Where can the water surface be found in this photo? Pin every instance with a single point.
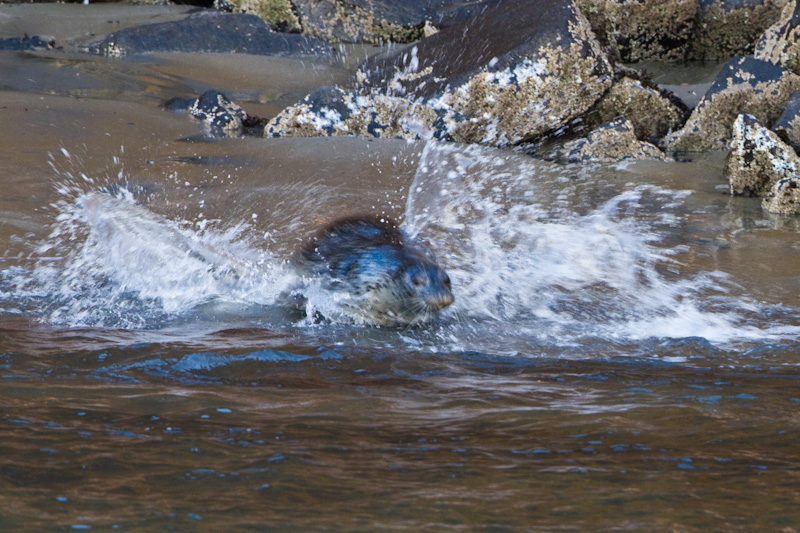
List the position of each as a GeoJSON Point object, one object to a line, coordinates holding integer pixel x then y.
{"type": "Point", "coordinates": [622, 353]}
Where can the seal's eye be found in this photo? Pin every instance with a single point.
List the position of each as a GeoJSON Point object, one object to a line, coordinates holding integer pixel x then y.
{"type": "Point", "coordinates": [446, 281]}
{"type": "Point", "coordinates": [419, 279]}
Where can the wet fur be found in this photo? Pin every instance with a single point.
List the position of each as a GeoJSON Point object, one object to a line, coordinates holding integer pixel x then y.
{"type": "Point", "coordinates": [393, 280]}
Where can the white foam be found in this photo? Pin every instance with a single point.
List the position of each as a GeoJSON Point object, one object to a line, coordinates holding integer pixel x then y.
{"type": "Point", "coordinates": [523, 258]}
{"type": "Point", "coordinates": [530, 256]}
{"type": "Point", "coordinates": [127, 266]}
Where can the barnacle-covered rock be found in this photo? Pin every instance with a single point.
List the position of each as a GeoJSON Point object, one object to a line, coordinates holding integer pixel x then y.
{"type": "Point", "coordinates": [758, 159]}
{"type": "Point", "coordinates": [505, 76]}
{"type": "Point", "coordinates": [333, 111]}
{"type": "Point", "coordinates": [652, 114]}
{"type": "Point", "coordinates": [611, 142]}
{"type": "Point", "coordinates": [784, 197]}
{"type": "Point", "coordinates": [219, 113]}
{"type": "Point", "coordinates": [222, 117]}
{"type": "Point", "coordinates": [726, 28]}
{"type": "Point", "coordinates": [780, 44]}
{"type": "Point", "coordinates": [745, 85]}
{"type": "Point", "coordinates": [676, 30]}
{"type": "Point", "coordinates": [643, 30]}
{"type": "Point", "coordinates": [472, 83]}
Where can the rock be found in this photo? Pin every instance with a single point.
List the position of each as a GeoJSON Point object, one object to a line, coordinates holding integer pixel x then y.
{"type": "Point", "coordinates": [326, 111]}
{"type": "Point", "coordinates": [643, 30]}
{"type": "Point", "coordinates": [377, 21]}
{"type": "Point", "coordinates": [207, 31]}
{"type": "Point", "coordinates": [611, 142]}
{"type": "Point", "coordinates": [784, 197]}
{"type": "Point", "coordinates": [727, 28]}
{"type": "Point", "coordinates": [652, 113]}
{"type": "Point", "coordinates": [788, 124]}
{"type": "Point", "coordinates": [745, 85]}
{"type": "Point", "coordinates": [758, 159]}
{"type": "Point", "coordinates": [223, 117]}
{"type": "Point", "coordinates": [780, 44]}
{"type": "Point", "coordinates": [470, 83]}
{"type": "Point", "coordinates": [541, 71]}
{"type": "Point", "coordinates": [26, 43]}
{"type": "Point", "coordinates": [333, 111]}
{"type": "Point", "coordinates": [277, 13]}
{"type": "Point", "coordinates": [676, 30]}
{"type": "Point", "coordinates": [219, 113]}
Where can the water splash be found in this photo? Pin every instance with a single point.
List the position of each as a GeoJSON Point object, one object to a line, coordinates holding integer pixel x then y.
{"type": "Point", "coordinates": [534, 245]}
{"type": "Point", "coordinates": [538, 253]}
{"type": "Point", "coordinates": [111, 262]}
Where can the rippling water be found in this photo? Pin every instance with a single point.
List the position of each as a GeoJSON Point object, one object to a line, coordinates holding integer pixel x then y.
{"type": "Point", "coordinates": [622, 353]}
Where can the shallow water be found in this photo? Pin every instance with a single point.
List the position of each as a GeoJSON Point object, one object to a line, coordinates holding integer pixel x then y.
{"type": "Point", "coordinates": [622, 353]}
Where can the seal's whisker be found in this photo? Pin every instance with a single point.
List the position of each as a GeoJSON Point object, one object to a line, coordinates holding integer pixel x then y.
{"type": "Point", "coordinates": [457, 316]}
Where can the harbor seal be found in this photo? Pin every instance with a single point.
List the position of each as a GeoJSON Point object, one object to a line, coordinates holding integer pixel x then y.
{"type": "Point", "coordinates": [389, 278]}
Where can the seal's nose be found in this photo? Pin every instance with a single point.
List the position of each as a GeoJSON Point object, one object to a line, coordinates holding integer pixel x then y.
{"type": "Point", "coordinates": [441, 300]}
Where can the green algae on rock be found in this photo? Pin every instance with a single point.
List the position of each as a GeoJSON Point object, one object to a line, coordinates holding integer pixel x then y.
{"type": "Point", "coordinates": [363, 22]}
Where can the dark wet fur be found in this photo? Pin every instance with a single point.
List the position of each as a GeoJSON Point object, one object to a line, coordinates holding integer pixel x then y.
{"type": "Point", "coordinates": [397, 279]}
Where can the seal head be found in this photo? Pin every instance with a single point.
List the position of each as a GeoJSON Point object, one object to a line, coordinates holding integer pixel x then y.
{"type": "Point", "coordinates": [390, 278]}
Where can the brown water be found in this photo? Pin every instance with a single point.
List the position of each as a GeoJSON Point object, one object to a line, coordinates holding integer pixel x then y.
{"type": "Point", "coordinates": [622, 354]}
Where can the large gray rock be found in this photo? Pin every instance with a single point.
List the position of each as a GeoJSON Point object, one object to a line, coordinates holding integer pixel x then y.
{"type": "Point", "coordinates": [745, 85]}
{"type": "Point", "coordinates": [780, 44]}
{"type": "Point", "coordinates": [507, 75]}
{"type": "Point", "coordinates": [758, 158]}
{"type": "Point", "coordinates": [208, 31]}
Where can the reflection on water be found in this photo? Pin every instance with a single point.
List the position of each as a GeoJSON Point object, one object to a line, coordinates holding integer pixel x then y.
{"type": "Point", "coordinates": [155, 436]}
{"type": "Point", "coordinates": [622, 353]}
